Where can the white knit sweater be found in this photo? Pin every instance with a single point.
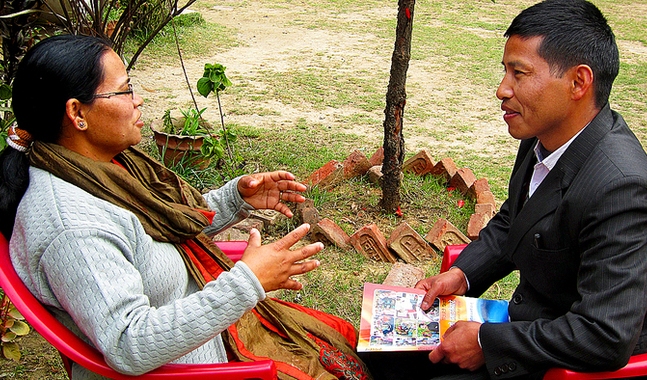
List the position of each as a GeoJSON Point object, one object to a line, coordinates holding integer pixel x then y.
{"type": "Point", "coordinates": [102, 276]}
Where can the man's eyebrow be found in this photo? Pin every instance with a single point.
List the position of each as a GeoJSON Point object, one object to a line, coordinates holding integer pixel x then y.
{"type": "Point", "coordinates": [515, 64]}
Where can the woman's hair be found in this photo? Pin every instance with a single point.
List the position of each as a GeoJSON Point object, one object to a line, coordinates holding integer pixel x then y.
{"type": "Point", "coordinates": [55, 70]}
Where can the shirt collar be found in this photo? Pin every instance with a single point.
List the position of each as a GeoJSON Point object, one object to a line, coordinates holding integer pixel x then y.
{"type": "Point", "coordinates": [552, 158]}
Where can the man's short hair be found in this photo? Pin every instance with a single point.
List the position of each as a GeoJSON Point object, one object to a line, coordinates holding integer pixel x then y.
{"type": "Point", "coordinates": [574, 32]}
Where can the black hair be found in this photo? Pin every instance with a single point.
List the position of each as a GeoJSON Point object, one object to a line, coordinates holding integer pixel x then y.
{"type": "Point", "coordinates": [574, 32]}
{"type": "Point", "coordinates": [52, 72]}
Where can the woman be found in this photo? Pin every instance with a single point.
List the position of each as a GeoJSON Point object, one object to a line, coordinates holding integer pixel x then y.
{"type": "Point", "coordinates": [111, 241]}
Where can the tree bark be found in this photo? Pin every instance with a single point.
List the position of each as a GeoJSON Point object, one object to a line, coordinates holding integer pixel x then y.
{"type": "Point", "coordinates": [396, 98]}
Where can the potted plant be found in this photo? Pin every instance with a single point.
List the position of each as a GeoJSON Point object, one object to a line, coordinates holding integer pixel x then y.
{"type": "Point", "coordinates": [189, 139]}
{"type": "Point", "coordinates": [180, 140]}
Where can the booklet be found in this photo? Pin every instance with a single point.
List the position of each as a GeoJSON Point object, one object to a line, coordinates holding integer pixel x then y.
{"type": "Point", "coordinates": [392, 319]}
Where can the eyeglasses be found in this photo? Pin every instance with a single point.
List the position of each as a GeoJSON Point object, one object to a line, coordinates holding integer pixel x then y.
{"type": "Point", "coordinates": [109, 94]}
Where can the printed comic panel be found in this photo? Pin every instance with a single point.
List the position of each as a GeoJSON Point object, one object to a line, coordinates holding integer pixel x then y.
{"type": "Point", "coordinates": [428, 334]}
{"type": "Point", "coordinates": [382, 331]}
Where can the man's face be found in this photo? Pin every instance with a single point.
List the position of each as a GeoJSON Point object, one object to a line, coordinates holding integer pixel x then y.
{"type": "Point", "coordinates": [534, 101]}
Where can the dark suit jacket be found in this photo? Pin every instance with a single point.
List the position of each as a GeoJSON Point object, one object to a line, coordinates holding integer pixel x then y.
{"type": "Point", "coordinates": [580, 244]}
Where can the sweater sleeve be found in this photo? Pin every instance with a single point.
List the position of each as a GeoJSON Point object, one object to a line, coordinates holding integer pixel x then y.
{"type": "Point", "coordinates": [93, 278]}
{"type": "Point", "coordinates": [229, 206]}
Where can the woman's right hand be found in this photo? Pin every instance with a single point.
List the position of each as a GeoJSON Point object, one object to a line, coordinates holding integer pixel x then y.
{"type": "Point", "coordinates": [274, 264]}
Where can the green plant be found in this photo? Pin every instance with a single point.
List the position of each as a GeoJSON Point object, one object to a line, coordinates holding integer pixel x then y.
{"type": "Point", "coordinates": [148, 15]}
{"type": "Point", "coordinates": [18, 31]}
{"type": "Point", "coordinates": [213, 147]}
{"type": "Point", "coordinates": [6, 114]}
{"type": "Point", "coordinates": [117, 19]}
{"type": "Point", "coordinates": [192, 124]}
{"type": "Point", "coordinates": [214, 80]}
{"type": "Point", "coordinates": [12, 328]}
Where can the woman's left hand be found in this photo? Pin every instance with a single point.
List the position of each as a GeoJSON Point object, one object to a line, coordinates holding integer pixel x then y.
{"type": "Point", "coordinates": [268, 190]}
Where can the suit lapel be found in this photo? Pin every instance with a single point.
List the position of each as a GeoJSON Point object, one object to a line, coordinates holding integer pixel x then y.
{"type": "Point", "coordinates": [548, 195]}
{"type": "Point", "coordinates": [525, 161]}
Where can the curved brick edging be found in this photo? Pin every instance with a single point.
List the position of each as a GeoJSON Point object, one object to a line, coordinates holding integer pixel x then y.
{"type": "Point", "coordinates": [404, 242]}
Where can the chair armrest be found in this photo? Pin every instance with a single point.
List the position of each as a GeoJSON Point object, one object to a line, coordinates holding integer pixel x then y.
{"type": "Point", "coordinates": [450, 254]}
{"type": "Point", "coordinates": [233, 249]}
{"type": "Point", "coordinates": [637, 367]}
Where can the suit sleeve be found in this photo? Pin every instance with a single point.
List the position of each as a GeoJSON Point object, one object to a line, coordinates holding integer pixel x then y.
{"type": "Point", "coordinates": [602, 327]}
{"type": "Point", "coordinates": [483, 260]}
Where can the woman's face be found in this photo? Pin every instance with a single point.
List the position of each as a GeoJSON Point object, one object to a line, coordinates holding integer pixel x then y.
{"type": "Point", "coordinates": [113, 122]}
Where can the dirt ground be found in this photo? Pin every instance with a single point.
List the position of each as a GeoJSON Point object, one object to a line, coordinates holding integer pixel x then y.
{"type": "Point", "coordinates": [277, 39]}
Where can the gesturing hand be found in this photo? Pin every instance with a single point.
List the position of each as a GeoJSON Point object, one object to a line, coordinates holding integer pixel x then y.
{"type": "Point", "coordinates": [267, 190]}
{"type": "Point", "coordinates": [274, 264]}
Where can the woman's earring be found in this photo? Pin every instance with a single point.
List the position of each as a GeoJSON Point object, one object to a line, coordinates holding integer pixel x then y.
{"type": "Point", "coordinates": [82, 124]}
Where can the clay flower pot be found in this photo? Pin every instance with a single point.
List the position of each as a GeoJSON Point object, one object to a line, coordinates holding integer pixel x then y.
{"type": "Point", "coordinates": [177, 149]}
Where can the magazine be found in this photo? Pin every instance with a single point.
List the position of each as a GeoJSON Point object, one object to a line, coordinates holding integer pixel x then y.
{"type": "Point", "coordinates": [392, 319]}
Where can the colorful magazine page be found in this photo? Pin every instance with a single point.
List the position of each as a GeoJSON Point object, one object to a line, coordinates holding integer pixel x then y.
{"type": "Point", "coordinates": [392, 319]}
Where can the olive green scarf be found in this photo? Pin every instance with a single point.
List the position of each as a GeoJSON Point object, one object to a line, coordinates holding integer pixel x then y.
{"type": "Point", "coordinates": [166, 205]}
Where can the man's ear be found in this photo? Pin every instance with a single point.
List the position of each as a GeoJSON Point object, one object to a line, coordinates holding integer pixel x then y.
{"type": "Point", "coordinates": [75, 113]}
{"type": "Point", "coordinates": [582, 84]}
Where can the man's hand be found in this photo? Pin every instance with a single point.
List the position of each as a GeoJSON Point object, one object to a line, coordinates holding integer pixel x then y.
{"type": "Point", "coordinates": [460, 346]}
{"type": "Point", "coordinates": [274, 264]}
{"type": "Point", "coordinates": [444, 284]}
{"type": "Point", "coordinates": [267, 190]}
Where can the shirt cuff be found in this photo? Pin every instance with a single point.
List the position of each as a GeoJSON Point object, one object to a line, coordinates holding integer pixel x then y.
{"type": "Point", "coordinates": [464, 275]}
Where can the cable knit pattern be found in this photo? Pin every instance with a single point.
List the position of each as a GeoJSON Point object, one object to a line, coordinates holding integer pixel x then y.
{"type": "Point", "coordinates": [93, 265]}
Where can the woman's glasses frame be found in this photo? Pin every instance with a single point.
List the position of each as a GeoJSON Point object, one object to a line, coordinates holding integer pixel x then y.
{"type": "Point", "coordinates": [109, 94]}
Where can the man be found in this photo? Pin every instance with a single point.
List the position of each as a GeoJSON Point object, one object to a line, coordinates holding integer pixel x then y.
{"type": "Point", "coordinates": [575, 220]}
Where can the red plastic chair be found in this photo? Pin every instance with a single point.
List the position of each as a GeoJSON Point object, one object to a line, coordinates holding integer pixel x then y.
{"type": "Point", "coordinates": [637, 366]}
{"type": "Point", "coordinates": [73, 349]}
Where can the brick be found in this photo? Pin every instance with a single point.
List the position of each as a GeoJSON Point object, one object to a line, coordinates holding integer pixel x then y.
{"type": "Point", "coordinates": [246, 225]}
{"type": "Point", "coordinates": [476, 224]}
{"type": "Point", "coordinates": [307, 212]}
{"type": "Point", "coordinates": [333, 179]}
{"type": "Point", "coordinates": [445, 168]}
{"type": "Point", "coordinates": [485, 208]}
{"type": "Point", "coordinates": [370, 242]}
{"type": "Point", "coordinates": [231, 234]}
{"type": "Point", "coordinates": [405, 275]}
{"type": "Point", "coordinates": [462, 180]}
{"type": "Point", "coordinates": [443, 233]}
{"type": "Point", "coordinates": [268, 217]}
{"type": "Point", "coordinates": [327, 232]}
{"type": "Point", "coordinates": [485, 197]}
{"type": "Point", "coordinates": [375, 175]}
{"type": "Point", "coordinates": [479, 186]}
{"type": "Point", "coordinates": [377, 157]}
{"type": "Point", "coordinates": [322, 173]}
{"type": "Point", "coordinates": [420, 164]}
{"type": "Point", "coordinates": [355, 165]}
{"type": "Point", "coordinates": [408, 244]}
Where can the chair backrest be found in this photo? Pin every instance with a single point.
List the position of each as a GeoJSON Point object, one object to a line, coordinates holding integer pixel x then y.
{"type": "Point", "coordinates": [72, 347]}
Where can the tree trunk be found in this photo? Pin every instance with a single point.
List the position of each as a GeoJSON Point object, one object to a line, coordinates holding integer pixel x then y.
{"type": "Point", "coordinates": [396, 98]}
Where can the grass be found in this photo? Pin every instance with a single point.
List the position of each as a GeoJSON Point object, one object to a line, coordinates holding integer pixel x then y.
{"type": "Point", "coordinates": [312, 104]}
{"type": "Point", "coordinates": [192, 30]}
